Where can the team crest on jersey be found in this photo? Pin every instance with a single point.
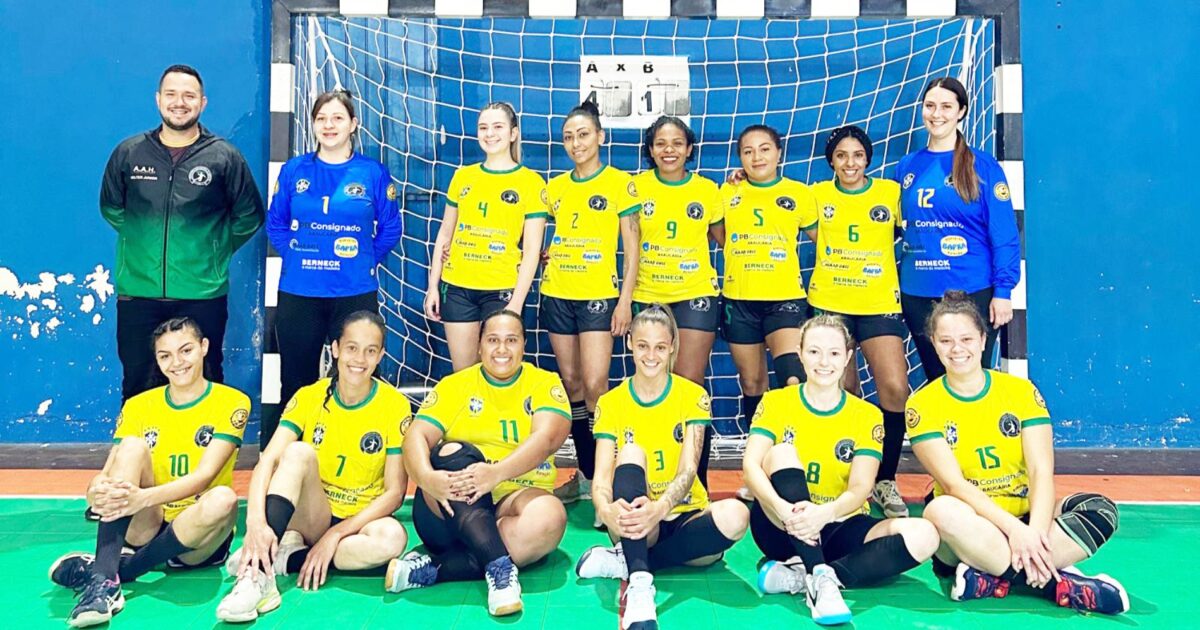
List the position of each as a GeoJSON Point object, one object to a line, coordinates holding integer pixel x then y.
{"type": "Point", "coordinates": [371, 443]}
{"type": "Point", "coordinates": [629, 435]}
{"type": "Point", "coordinates": [908, 180]}
{"type": "Point", "coordinates": [558, 393]}
{"type": "Point", "coordinates": [1009, 425]}
{"type": "Point", "coordinates": [1001, 191]}
{"type": "Point", "coordinates": [391, 192]}
{"type": "Point", "coordinates": [354, 189]}
{"type": "Point", "coordinates": [701, 304]}
{"type": "Point", "coordinates": [200, 176]}
{"type": "Point", "coordinates": [151, 437]}
{"type": "Point", "coordinates": [430, 400]}
{"type": "Point", "coordinates": [302, 186]}
{"type": "Point", "coordinates": [1021, 490]}
{"type": "Point", "coordinates": [787, 203]}
{"type": "Point", "coordinates": [510, 196]}
{"type": "Point", "coordinates": [844, 450]}
{"type": "Point", "coordinates": [597, 307]}
{"type": "Point", "coordinates": [238, 419]}
{"type": "Point", "coordinates": [704, 403]}
{"type": "Point", "coordinates": [695, 210]}
{"type": "Point", "coordinates": [648, 208]}
{"type": "Point", "coordinates": [789, 435]}
{"type": "Point", "coordinates": [465, 191]}
{"type": "Point", "coordinates": [528, 405]}
{"type": "Point", "coordinates": [405, 424]}
{"type": "Point", "coordinates": [557, 203]}
{"type": "Point", "coordinates": [737, 199]}
{"type": "Point", "coordinates": [877, 433]}
{"type": "Point", "coordinates": [1037, 398]}
{"type": "Point", "coordinates": [828, 211]}
{"type": "Point", "coordinates": [677, 433]}
{"type": "Point", "coordinates": [291, 404]}
{"type": "Point", "coordinates": [318, 434]}
{"type": "Point", "coordinates": [949, 181]}
{"type": "Point", "coordinates": [545, 195]}
{"type": "Point", "coordinates": [475, 405]}
{"type": "Point", "coordinates": [597, 202]}
{"type": "Point", "coordinates": [204, 435]}
{"type": "Point", "coordinates": [631, 189]}
{"type": "Point", "coordinates": [951, 433]}
{"type": "Point", "coordinates": [881, 214]}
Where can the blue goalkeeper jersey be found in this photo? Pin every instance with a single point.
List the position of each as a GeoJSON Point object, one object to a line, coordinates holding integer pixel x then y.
{"type": "Point", "coordinates": [332, 224]}
{"type": "Point", "coordinates": [954, 244]}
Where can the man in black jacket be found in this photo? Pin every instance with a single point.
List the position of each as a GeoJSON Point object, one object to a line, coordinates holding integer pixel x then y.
{"type": "Point", "coordinates": [182, 201]}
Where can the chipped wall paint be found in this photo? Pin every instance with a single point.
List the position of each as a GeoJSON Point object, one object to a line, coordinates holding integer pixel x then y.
{"type": "Point", "coordinates": [59, 372]}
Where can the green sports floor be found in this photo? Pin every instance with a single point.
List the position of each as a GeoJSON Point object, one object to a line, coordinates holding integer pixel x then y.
{"type": "Point", "coordinates": [1154, 551]}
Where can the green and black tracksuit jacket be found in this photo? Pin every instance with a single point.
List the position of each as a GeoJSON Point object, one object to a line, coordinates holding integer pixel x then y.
{"type": "Point", "coordinates": [179, 223]}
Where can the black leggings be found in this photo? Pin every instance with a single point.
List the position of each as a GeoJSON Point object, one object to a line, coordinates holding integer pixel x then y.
{"type": "Point", "coordinates": [916, 311]}
{"type": "Point", "coordinates": [302, 326]}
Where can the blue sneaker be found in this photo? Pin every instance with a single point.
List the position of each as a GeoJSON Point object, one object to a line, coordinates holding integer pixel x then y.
{"type": "Point", "coordinates": [100, 599]}
{"type": "Point", "coordinates": [970, 583]}
{"type": "Point", "coordinates": [1101, 594]}
{"type": "Point", "coordinates": [73, 570]}
{"type": "Point", "coordinates": [412, 570]}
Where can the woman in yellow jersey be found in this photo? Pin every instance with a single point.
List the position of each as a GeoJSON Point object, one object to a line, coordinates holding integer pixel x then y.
{"type": "Point", "coordinates": [810, 462]}
{"type": "Point", "coordinates": [583, 306]}
{"type": "Point", "coordinates": [331, 477]}
{"type": "Point", "coordinates": [492, 230]}
{"type": "Point", "coordinates": [764, 292]}
{"type": "Point", "coordinates": [987, 440]}
{"type": "Point", "coordinates": [649, 430]}
{"type": "Point", "coordinates": [165, 488]}
{"type": "Point", "coordinates": [481, 451]}
{"type": "Point", "coordinates": [855, 277]}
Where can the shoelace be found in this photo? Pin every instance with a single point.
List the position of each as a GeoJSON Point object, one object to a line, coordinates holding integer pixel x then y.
{"type": "Point", "coordinates": [96, 588]}
{"type": "Point", "coordinates": [423, 572]}
{"type": "Point", "coordinates": [990, 586]}
{"type": "Point", "coordinates": [1080, 597]}
{"type": "Point", "coordinates": [82, 570]}
{"type": "Point", "coordinates": [248, 581]}
{"type": "Point", "coordinates": [795, 582]}
{"type": "Point", "coordinates": [499, 574]}
{"type": "Point", "coordinates": [825, 581]}
{"type": "Point", "coordinates": [891, 494]}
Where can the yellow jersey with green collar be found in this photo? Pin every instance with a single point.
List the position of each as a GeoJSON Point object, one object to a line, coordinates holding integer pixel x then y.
{"type": "Point", "coordinates": [485, 250]}
{"type": "Point", "coordinates": [495, 416]}
{"type": "Point", "coordinates": [587, 226]}
{"type": "Point", "coordinates": [675, 263]}
{"type": "Point", "coordinates": [825, 441]}
{"type": "Point", "coordinates": [178, 434]}
{"type": "Point", "coordinates": [983, 431]}
{"type": "Point", "coordinates": [762, 231]}
{"type": "Point", "coordinates": [855, 270]}
{"type": "Point", "coordinates": [352, 442]}
{"type": "Point", "coordinates": [657, 426]}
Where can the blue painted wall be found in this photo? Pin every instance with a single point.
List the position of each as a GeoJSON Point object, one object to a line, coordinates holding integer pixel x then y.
{"type": "Point", "coordinates": [79, 77]}
{"type": "Point", "coordinates": [1114, 292]}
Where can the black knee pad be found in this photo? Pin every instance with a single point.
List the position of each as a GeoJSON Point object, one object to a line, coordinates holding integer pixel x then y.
{"type": "Point", "coordinates": [629, 482]}
{"type": "Point", "coordinates": [791, 485]}
{"type": "Point", "coordinates": [466, 455]}
{"type": "Point", "coordinates": [787, 366]}
{"type": "Point", "coordinates": [1089, 519]}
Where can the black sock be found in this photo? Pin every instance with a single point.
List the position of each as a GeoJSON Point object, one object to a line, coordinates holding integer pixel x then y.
{"type": "Point", "coordinates": [296, 560]}
{"type": "Point", "coordinates": [697, 538]}
{"type": "Point", "coordinates": [164, 547]}
{"type": "Point", "coordinates": [457, 565]}
{"type": "Point", "coordinates": [629, 483]}
{"type": "Point", "coordinates": [1017, 578]}
{"type": "Point", "coordinates": [585, 442]}
{"type": "Point", "coordinates": [476, 524]}
{"type": "Point", "coordinates": [279, 511]}
{"type": "Point", "coordinates": [109, 539]}
{"type": "Point", "coordinates": [749, 406]}
{"type": "Point", "coordinates": [705, 451]}
{"type": "Point", "coordinates": [893, 439]}
{"type": "Point", "coordinates": [874, 562]}
{"type": "Point", "coordinates": [792, 486]}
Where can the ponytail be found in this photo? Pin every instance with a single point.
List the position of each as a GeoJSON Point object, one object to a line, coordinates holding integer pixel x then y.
{"type": "Point", "coordinates": [966, 180]}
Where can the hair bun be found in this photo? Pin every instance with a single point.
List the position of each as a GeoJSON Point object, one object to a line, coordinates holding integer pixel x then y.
{"type": "Point", "coordinates": [590, 107]}
{"type": "Point", "coordinates": [955, 295]}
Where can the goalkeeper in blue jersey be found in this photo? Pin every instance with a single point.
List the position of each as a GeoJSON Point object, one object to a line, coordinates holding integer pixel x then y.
{"type": "Point", "coordinates": [333, 218]}
{"type": "Point", "coordinates": [961, 231]}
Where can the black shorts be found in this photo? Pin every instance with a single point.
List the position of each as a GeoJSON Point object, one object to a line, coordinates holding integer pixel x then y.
{"type": "Point", "coordinates": [750, 321]}
{"type": "Point", "coordinates": [838, 539]}
{"type": "Point", "coordinates": [667, 529]}
{"type": "Point", "coordinates": [571, 317]}
{"type": "Point", "coordinates": [702, 313]}
{"type": "Point", "coordinates": [461, 305]}
{"type": "Point", "coordinates": [864, 327]}
{"type": "Point", "coordinates": [216, 558]}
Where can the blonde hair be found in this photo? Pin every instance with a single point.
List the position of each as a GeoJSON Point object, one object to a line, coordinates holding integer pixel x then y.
{"type": "Point", "coordinates": [514, 149]}
{"type": "Point", "coordinates": [826, 320]}
{"type": "Point", "coordinates": [659, 314]}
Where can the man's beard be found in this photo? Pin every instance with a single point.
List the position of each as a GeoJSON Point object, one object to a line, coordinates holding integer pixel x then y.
{"type": "Point", "coordinates": [192, 122]}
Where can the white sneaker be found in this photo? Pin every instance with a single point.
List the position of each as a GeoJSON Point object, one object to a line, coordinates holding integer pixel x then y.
{"type": "Point", "coordinates": [291, 542]}
{"type": "Point", "coordinates": [640, 611]}
{"type": "Point", "coordinates": [254, 594]}
{"type": "Point", "coordinates": [824, 597]}
{"type": "Point", "coordinates": [887, 496]}
{"type": "Point", "coordinates": [743, 493]}
{"type": "Point", "coordinates": [602, 562]}
{"type": "Point", "coordinates": [577, 488]}
{"type": "Point", "coordinates": [504, 590]}
{"type": "Point", "coordinates": [412, 570]}
{"type": "Point", "coordinates": [783, 577]}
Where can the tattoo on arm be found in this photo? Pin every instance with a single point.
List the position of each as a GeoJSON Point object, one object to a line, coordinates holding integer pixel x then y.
{"type": "Point", "coordinates": [685, 475]}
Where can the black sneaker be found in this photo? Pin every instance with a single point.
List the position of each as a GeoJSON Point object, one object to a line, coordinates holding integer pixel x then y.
{"type": "Point", "coordinates": [73, 570]}
{"type": "Point", "coordinates": [90, 515]}
{"type": "Point", "coordinates": [100, 600]}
